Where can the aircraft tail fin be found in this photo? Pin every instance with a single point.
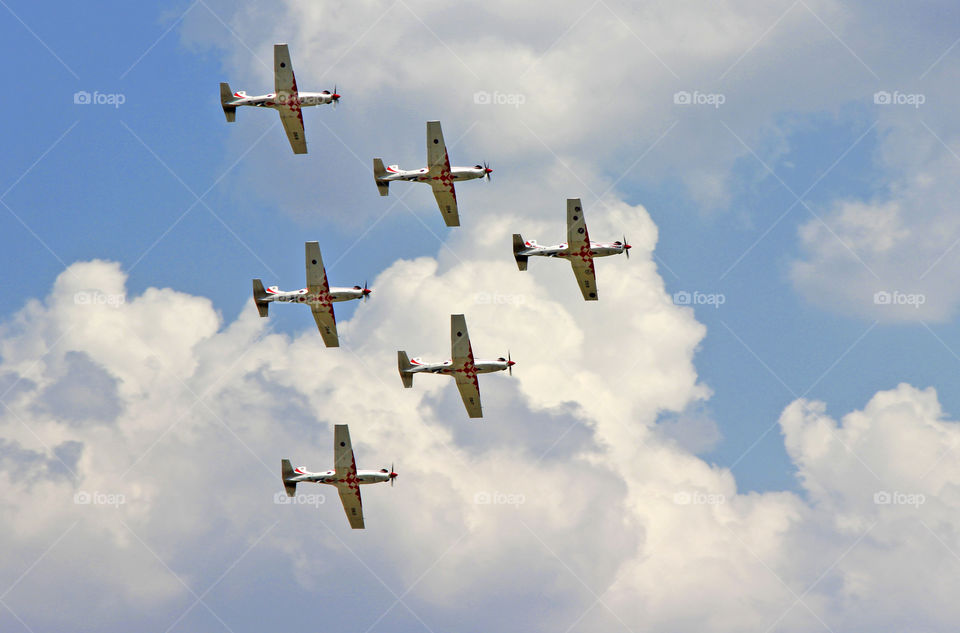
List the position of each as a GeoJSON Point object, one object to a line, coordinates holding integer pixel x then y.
{"type": "Point", "coordinates": [403, 364]}
{"type": "Point", "coordinates": [379, 171]}
{"type": "Point", "coordinates": [259, 294]}
{"type": "Point", "coordinates": [518, 247]}
{"type": "Point", "coordinates": [287, 473]}
{"type": "Point", "coordinates": [226, 96]}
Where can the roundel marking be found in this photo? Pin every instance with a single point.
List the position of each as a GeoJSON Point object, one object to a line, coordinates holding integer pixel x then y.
{"type": "Point", "coordinates": [459, 333]}
{"type": "Point", "coordinates": [580, 230]}
{"type": "Point", "coordinates": [283, 64]}
{"type": "Point", "coordinates": [343, 443]}
{"type": "Point", "coordinates": [435, 141]}
{"type": "Point", "coordinates": [314, 262]}
{"type": "Point", "coordinates": [593, 294]}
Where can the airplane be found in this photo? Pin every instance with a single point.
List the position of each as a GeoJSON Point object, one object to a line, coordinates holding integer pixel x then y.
{"type": "Point", "coordinates": [437, 173]}
{"type": "Point", "coordinates": [462, 367]}
{"type": "Point", "coordinates": [578, 249]}
{"type": "Point", "coordinates": [344, 476]}
{"type": "Point", "coordinates": [318, 294]}
{"type": "Point", "coordinates": [285, 99]}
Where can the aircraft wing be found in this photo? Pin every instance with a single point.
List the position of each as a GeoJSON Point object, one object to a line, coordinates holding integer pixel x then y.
{"type": "Point", "coordinates": [352, 505]}
{"type": "Point", "coordinates": [586, 276]}
{"type": "Point", "coordinates": [578, 250]}
{"type": "Point", "coordinates": [317, 286]}
{"type": "Point", "coordinates": [446, 197]}
{"type": "Point", "coordinates": [288, 99]}
{"type": "Point", "coordinates": [345, 467]}
{"type": "Point", "coordinates": [436, 148]}
{"type": "Point", "coordinates": [465, 369]}
{"type": "Point", "coordinates": [577, 236]}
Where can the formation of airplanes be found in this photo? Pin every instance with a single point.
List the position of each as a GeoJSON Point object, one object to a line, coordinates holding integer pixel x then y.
{"type": "Point", "coordinates": [462, 366]}
{"type": "Point", "coordinates": [344, 476]}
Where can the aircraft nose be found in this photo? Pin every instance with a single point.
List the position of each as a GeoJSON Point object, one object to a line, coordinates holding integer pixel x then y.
{"type": "Point", "coordinates": [366, 291]}
{"type": "Point", "coordinates": [393, 475]}
{"type": "Point", "coordinates": [487, 170]}
{"type": "Point", "coordinates": [511, 363]}
{"type": "Point", "coordinates": [627, 246]}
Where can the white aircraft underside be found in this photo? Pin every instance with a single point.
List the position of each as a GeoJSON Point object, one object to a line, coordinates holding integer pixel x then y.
{"type": "Point", "coordinates": [344, 476]}
{"type": "Point", "coordinates": [462, 367]}
{"type": "Point", "coordinates": [579, 250]}
{"type": "Point", "coordinates": [286, 99]}
{"type": "Point", "coordinates": [438, 174]}
{"type": "Point", "coordinates": [318, 295]}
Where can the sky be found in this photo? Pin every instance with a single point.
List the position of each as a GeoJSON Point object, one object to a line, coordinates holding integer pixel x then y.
{"type": "Point", "coordinates": [754, 428]}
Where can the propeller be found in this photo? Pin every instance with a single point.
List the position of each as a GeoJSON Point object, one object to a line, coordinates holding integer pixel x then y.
{"type": "Point", "coordinates": [336, 97]}
{"type": "Point", "coordinates": [486, 170]}
{"type": "Point", "coordinates": [510, 363]}
{"type": "Point", "coordinates": [366, 291]}
{"type": "Point", "coordinates": [393, 474]}
{"type": "Point", "coordinates": [626, 247]}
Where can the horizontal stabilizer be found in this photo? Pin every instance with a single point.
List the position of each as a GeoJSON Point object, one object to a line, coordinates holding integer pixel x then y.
{"type": "Point", "coordinates": [378, 173]}
{"type": "Point", "coordinates": [403, 364]}
{"type": "Point", "coordinates": [518, 247]}
{"type": "Point", "coordinates": [259, 294]}
{"type": "Point", "coordinates": [226, 96]}
{"type": "Point", "coordinates": [286, 471]}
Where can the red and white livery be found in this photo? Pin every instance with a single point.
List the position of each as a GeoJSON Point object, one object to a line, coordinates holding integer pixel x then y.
{"type": "Point", "coordinates": [462, 366]}
{"type": "Point", "coordinates": [318, 295]}
{"type": "Point", "coordinates": [286, 99]}
{"type": "Point", "coordinates": [344, 476]}
{"type": "Point", "coordinates": [438, 174]}
{"type": "Point", "coordinates": [578, 249]}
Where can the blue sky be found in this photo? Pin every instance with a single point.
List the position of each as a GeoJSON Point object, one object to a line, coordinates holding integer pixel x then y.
{"type": "Point", "coordinates": [121, 184]}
